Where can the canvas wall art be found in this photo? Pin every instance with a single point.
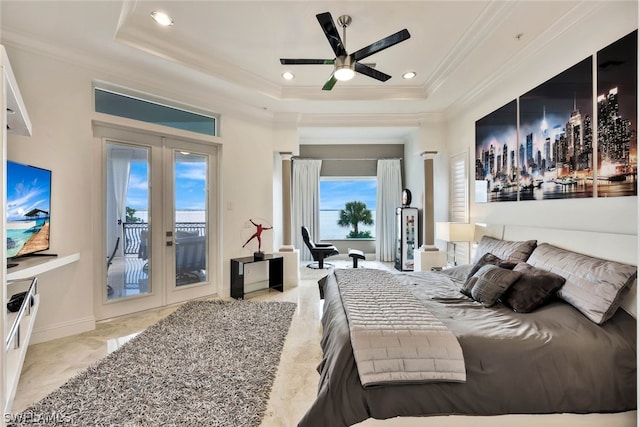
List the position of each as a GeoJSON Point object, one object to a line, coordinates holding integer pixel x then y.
{"type": "Point", "coordinates": [617, 153]}
{"type": "Point", "coordinates": [496, 170]}
{"type": "Point", "coordinates": [562, 139]}
{"type": "Point", "coordinates": [555, 150]}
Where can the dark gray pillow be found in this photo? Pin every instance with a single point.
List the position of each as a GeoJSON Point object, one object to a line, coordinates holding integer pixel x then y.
{"type": "Point", "coordinates": [516, 251]}
{"type": "Point", "coordinates": [486, 259]}
{"type": "Point", "coordinates": [534, 288]}
{"type": "Point", "coordinates": [490, 282]}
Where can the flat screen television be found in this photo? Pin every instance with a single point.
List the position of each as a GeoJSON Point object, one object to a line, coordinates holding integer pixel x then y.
{"type": "Point", "coordinates": [28, 209]}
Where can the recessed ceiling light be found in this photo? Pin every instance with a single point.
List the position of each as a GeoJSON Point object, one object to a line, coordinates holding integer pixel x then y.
{"type": "Point", "coordinates": [409, 75]}
{"type": "Point", "coordinates": [288, 75]}
{"type": "Point", "coordinates": [162, 18]}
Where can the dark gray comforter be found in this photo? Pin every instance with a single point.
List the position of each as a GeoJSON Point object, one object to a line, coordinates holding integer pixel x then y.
{"type": "Point", "coordinates": [550, 361]}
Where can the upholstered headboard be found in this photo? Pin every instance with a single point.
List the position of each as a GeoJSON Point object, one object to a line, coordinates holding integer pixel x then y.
{"type": "Point", "coordinates": [622, 248]}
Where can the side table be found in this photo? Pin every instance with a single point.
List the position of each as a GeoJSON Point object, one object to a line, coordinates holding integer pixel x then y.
{"type": "Point", "coordinates": [276, 273]}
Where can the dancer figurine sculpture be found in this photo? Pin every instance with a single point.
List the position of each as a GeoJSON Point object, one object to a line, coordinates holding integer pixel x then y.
{"type": "Point", "coordinates": [257, 235]}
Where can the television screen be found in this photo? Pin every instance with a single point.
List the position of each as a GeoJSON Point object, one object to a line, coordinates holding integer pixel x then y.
{"type": "Point", "coordinates": [28, 209]}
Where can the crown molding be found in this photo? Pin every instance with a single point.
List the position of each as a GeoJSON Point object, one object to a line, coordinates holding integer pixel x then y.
{"type": "Point", "coordinates": [139, 80]}
{"type": "Point", "coordinates": [355, 93]}
{"type": "Point", "coordinates": [559, 29]}
{"type": "Point", "coordinates": [223, 70]}
{"type": "Point", "coordinates": [369, 120]}
{"type": "Point", "coordinates": [492, 16]}
{"type": "Point", "coordinates": [189, 92]}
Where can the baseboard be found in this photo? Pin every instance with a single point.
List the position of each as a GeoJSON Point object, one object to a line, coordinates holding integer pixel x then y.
{"type": "Point", "coordinates": [62, 330]}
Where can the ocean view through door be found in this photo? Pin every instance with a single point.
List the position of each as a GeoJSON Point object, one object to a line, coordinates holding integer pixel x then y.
{"type": "Point", "coordinates": [158, 238]}
{"type": "Point", "coordinates": [189, 220]}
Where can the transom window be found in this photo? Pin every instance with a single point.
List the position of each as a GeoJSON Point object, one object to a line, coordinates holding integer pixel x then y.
{"type": "Point", "coordinates": [338, 194]}
{"type": "Point", "coordinates": [138, 108]}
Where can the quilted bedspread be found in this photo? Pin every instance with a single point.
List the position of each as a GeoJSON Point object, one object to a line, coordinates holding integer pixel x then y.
{"type": "Point", "coordinates": [395, 338]}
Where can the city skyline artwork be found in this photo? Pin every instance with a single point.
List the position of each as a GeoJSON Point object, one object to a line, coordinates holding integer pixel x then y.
{"type": "Point", "coordinates": [551, 152]}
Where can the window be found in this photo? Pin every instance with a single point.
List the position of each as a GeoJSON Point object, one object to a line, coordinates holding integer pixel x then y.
{"type": "Point", "coordinates": [145, 110]}
{"type": "Point", "coordinates": [335, 193]}
{"type": "Point", "coordinates": [459, 201]}
{"type": "Point", "coordinates": [458, 194]}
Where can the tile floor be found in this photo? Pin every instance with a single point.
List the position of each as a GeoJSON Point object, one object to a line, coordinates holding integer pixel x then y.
{"type": "Point", "coordinates": [49, 365]}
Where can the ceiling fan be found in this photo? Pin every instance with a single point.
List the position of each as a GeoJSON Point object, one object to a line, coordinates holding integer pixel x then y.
{"type": "Point", "coordinates": [346, 65]}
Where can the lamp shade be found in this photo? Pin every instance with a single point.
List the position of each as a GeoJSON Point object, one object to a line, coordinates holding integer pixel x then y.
{"type": "Point", "coordinates": [479, 231]}
{"type": "Point", "coordinates": [454, 231]}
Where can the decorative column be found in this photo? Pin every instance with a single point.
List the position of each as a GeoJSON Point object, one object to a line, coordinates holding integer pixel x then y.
{"type": "Point", "coordinates": [286, 203]}
{"type": "Point", "coordinates": [428, 226]}
{"type": "Point", "coordinates": [290, 255]}
{"type": "Point", "coordinates": [428, 255]}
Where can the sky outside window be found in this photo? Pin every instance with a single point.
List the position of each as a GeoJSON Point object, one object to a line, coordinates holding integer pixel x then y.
{"type": "Point", "coordinates": [190, 183]}
{"type": "Point", "coordinates": [334, 194]}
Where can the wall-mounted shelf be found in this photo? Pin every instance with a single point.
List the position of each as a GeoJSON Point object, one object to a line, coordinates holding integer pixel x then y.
{"type": "Point", "coordinates": [17, 119]}
{"type": "Point", "coordinates": [33, 266]}
{"type": "Point", "coordinates": [19, 326]}
{"type": "Point", "coordinates": [18, 331]}
{"type": "Point", "coordinates": [14, 119]}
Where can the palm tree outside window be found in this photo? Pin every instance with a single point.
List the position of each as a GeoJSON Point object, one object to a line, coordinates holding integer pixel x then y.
{"type": "Point", "coordinates": [347, 208]}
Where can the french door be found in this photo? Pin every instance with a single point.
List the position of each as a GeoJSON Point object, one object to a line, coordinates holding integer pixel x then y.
{"type": "Point", "coordinates": [159, 222]}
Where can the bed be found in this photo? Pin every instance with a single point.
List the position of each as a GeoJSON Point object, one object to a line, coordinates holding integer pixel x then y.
{"type": "Point", "coordinates": [569, 360]}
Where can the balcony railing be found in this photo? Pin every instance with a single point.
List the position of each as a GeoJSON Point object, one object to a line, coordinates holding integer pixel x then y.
{"type": "Point", "coordinates": [133, 231]}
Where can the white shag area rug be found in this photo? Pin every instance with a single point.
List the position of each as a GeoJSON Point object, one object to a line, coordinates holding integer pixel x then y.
{"type": "Point", "coordinates": [210, 363]}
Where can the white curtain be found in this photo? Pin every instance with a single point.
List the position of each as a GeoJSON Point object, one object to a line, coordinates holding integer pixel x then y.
{"type": "Point", "coordinates": [121, 167]}
{"type": "Point", "coordinates": [388, 199]}
{"type": "Point", "coordinates": [120, 170]}
{"type": "Point", "coordinates": [306, 202]}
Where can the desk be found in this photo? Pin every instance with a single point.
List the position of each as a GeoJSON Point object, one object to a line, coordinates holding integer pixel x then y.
{"type": "Point", "coordinates": [276, 273]}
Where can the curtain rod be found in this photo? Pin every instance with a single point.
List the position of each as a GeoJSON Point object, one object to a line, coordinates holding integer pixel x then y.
{"type": "Point", "coordinates": [342, 158]}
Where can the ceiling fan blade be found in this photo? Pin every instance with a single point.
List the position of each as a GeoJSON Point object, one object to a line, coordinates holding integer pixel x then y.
{"type": "Point", "coordinates": [330, 30]}
{"type": "Point", "coordinates": [288, 61]}
{"type": "Point", "coordinates": [368, 71]}
{"type": "Point", "coordinates": [382, 44]}
{"type": "Point", "coordinates": [330, 83]}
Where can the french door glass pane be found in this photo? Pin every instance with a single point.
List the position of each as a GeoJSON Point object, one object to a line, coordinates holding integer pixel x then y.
{"type": "Point", "coordinates": [127, 231]}
{"type": "Point", "coordinates": [190, 217]}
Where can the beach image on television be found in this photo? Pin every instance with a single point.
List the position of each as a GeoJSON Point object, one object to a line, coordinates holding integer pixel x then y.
{"type": "Point", "coordinates": [28, 209]}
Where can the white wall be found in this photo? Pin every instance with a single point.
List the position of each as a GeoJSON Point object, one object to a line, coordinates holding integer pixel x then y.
{"type": "Point", "coordinates": [60, 104]}
{"type": "Point", "coordinates": [430, 137]}
{"type": "Point", "coordinates": [616, 214]}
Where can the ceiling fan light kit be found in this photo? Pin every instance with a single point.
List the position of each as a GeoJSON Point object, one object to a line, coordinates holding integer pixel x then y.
{"type": "Point", "coordinates": [346, 65]}
{"type": "Point", "coordinates": [344, 68]}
